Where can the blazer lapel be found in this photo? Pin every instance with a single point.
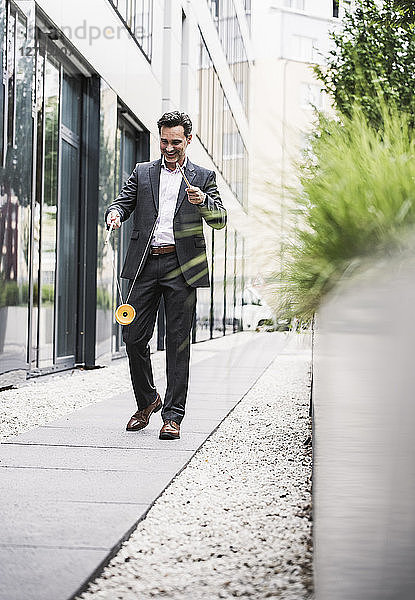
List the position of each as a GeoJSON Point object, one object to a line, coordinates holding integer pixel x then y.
{"type": "Point", "coordinates": [155, 181]}
{"type": "Point", "coordinates": [190, 174]}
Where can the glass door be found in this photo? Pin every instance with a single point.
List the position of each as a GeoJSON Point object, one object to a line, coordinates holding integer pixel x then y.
{"type": "Point", "coordinates": [56, 213]}
{"type": "Point", "coordinates": [67, 226]}
{"type": "Point", "coordinates": [44, 234]}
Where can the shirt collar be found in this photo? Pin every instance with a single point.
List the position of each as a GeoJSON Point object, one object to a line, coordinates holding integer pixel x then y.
{"type": "Point", "coordinates": [163, 164]}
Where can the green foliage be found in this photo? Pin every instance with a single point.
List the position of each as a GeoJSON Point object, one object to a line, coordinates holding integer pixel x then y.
{"type": "Point", "coordinates": [359, 197]}
{"type": "Point", "coordinates": [373, 57]}
{"type": "Point", "coordinates": [48, 293]}
{"type": "Point", "coordinates": [13, 294]}
{"type": "Point", "coordinates": [406, 10]}
{"type": "Point", "coordinates": [9, 293]}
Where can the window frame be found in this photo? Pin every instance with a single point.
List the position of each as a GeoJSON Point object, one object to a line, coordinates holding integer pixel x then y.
{"type": "Point", "coordinates": [131, 7]}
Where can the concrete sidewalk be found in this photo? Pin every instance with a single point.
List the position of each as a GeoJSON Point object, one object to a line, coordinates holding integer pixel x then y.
{"type": "Point", "coordinates": [73, 490]}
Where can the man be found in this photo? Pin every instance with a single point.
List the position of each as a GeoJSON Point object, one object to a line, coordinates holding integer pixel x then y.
{"type": "Point", "coordinates": [170, 213]}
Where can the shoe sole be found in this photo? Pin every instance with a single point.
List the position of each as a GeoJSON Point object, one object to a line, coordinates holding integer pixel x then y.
{"type": "Point", "coordinates": [159, 407]}
{"type": "Point", "coordinates": [169, 436]}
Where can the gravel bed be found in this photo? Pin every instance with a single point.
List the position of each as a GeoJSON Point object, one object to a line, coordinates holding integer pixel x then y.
{"type": "Point", "coordinates": [46, 398]}
{"type": "Point", "coordinates": [236, 522]}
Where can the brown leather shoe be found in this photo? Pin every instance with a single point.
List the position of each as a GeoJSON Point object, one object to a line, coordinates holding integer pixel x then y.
{"type": "Point", "coordinates": [141, 418]}
{"type": "Point", "coordinates": [170, 431]}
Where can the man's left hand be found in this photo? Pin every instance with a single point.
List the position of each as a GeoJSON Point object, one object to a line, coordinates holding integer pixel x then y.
{"type": "Point", "coordinates": [195, 195]}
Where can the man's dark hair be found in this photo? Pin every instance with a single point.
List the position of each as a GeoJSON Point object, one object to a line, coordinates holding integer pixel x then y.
{"type": "Point", "coordinates": [172, 119]}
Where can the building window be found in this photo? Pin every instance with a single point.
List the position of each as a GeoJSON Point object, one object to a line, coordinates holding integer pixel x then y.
{"type": "Point", "coordinates": [214, 8]}
{"type": "Point", "coordinates": [247, 7]}
{"type": "Point", "coordinates": [3, 39]}
{"type": "Point", "coordinates": [305, 48]}
{"type": "Point", "coordinates": [230, 35]}
{"type": "Point", "coordinates": [335, 8]}
{"type": "Point", "coordinates": [137, 16]}
{"type": "Point", "coordinates": [218, 130]}
{"type": "Point", "coordinates": [299, 4]}
{"type": "Point", "coordinates": [233, 146]}
{"type": "Point", "coordinates": [16, 137]}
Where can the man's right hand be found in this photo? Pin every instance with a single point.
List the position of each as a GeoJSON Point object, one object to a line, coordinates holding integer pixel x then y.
{"type": "Point", "coordinates": [114, 218]}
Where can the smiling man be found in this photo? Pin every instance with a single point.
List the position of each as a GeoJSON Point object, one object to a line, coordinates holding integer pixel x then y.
{"type": "Point", "coordinates": [168, 234]}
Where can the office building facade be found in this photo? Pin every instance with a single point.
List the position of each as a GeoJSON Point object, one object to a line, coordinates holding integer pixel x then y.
{"type": "Point", "coordinates": [82, 87]}
{"type": "Point", "coordinates": [290, 37]}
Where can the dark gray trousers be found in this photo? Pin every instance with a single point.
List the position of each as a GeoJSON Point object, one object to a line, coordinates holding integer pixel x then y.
{"type": "Point", "coordinates": [161, 276]}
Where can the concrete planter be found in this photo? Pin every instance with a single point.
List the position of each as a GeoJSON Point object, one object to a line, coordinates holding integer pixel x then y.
{"type": "Point", "coordinates": [364, 443]}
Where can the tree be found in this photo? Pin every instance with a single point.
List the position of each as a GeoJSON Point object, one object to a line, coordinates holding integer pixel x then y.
{"type": "Point", "coordinates": [373, 58]}
{"type": "Point", "coordinates": [407, 11]}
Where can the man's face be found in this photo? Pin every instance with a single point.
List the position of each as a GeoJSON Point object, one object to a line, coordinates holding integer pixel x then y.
{"type": "Point", "coordinates": [173, 143]}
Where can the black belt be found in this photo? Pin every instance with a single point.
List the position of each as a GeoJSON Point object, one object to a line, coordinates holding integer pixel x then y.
{"type": "Point", "coordinates": [162, 249]}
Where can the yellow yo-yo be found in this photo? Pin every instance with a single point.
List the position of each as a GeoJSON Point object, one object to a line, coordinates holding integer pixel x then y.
{"type": "Point", "coordinates": [125, 314]}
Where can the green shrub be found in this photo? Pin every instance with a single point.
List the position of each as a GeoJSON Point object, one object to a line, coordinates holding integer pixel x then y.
{"type": "Point", "coordinates": [48, 293]}
{"type": "Point", "coordinates": [10, 294]}
{"type": "Point", "coordinates": [357, 200]}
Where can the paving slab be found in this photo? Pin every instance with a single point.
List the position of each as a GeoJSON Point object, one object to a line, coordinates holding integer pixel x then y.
{"type": "Point", "coordinates": [101, 437]}
{"type": "Point", "coordinates": [100, 459]}
{"type": "Point", "coordinates": [25, 576]}
{"type": "Point", "coordinates": [237, 388]}
{"type": "Point", "coordinates": [40, 485]}
{"type": "Point", "coordinates": [101, 527]}
{"type": "Point", "coordinates": [72, 490]}
{"type": "Point", "coordinates": [110, 419]}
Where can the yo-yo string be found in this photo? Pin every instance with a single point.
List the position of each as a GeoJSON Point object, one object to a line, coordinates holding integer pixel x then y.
{"type": "Point", "coordinates": [116, 279]}
{"type": "Point", "coordinates": [142, 260]}
{"type": "Point", "coordinates": [113, 263]}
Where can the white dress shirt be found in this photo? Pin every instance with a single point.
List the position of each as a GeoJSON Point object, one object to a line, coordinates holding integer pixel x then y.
{"type": "Point", "coordinates": [170, 182]}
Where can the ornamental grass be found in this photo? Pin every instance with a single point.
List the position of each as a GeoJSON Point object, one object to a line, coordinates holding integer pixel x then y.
{"type": "Point", "coordinates": [357, 200]}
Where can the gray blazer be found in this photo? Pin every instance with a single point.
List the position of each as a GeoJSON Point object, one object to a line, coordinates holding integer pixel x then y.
{"type": "Point", "coordinates": [140, 196]}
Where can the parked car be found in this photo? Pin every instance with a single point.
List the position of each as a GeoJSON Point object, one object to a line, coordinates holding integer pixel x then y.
{"type": "Point", "coordinates": [255, 311]}
{"type": "Point", "coordinates": [283, 324]}
{"type": "Point", "coordinates": [265, 325]}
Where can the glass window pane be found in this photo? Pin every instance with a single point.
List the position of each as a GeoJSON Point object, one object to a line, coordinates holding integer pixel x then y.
{"type": "Point", "coordinates": [15, 197]}
{"type": "Point", "coordinates": [107, 157]}
{"type": "Point", "coordinates": [48, 216]}
{"type": "Point", "coordinates": [122, 8]}
{"type": "Point", "coordinates": [217, 128]}
{"type": "Point", "coordinates": [230, 275]}
{"type": "Point", "coordinates": [203, 307]}
{"type": "Point", "coordinates": [67, 271]}
{"type": "Point", "coordinates": [11, 77]}
{"type": "Point", "coordinates": [68, 205]}
{"type": "Point", "coordinates": [71, 109]}
{"type": "Point", "coordinates": [3, 40]}
{"type": "Point", "coordinates": [218, 284]}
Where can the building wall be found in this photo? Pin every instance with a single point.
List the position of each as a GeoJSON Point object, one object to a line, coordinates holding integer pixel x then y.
{"type": "Point", "coordinates": [289, 36]}
{"type": "Point", "coordinates": [122, 71]}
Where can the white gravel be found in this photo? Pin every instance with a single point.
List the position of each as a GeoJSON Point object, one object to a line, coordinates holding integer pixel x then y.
{"type": "Point", "coordinates": [44, 399]}
{"type": "Point", "coordinates": [236, 521]}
